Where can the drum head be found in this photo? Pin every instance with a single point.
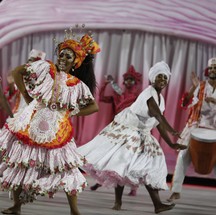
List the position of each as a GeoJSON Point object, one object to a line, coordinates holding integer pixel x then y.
{"type": "Point", "coordinates": [203, 134]}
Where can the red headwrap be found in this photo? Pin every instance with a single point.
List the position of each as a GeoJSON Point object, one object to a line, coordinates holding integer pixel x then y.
{"type": "Point", "coordinates": [132, 73]}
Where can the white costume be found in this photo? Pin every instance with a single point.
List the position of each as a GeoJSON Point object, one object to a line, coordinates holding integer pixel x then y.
{"type": "Point", "coordinates": [207, 119]}
{"type": "Point", "coordinates": [39, 152]}
{"type": "Point", "coordinates": [125, 152]}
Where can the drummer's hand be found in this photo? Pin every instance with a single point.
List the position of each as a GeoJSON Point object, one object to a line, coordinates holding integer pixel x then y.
{"type": "Point", "coordinates": [210, 99]}
{"type": "Point", "coordinates": [178, 146]}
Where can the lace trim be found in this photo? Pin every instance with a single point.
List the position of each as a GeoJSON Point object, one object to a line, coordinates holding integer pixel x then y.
{"type": "Point", "coordinates": [112, 179]}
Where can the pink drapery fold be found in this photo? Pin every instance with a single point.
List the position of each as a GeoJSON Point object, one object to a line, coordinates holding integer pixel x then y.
{"type": "Point", "coordinates": [189, 19]}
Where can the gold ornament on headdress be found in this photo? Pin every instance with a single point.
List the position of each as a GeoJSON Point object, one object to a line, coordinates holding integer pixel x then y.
{"type": "Point", "coordinates": [81, 47]}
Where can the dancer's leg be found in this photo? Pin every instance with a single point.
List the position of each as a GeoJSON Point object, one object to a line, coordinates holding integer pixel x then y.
{"type": "Point", "coordinates": [16, 208]}
{"type": "Point", "coordinates": [118, 197]}
{"type": "Point", "coordinates": [95, 187]}
{"type": "Point", "coordinates": [158, 205]}
{"type": "Point", "coordinates": [72, 200]}
{"type": "Point", "coordinates": [133, 191]}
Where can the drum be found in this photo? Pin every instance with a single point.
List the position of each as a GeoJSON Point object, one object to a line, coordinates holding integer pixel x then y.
{"type": "Point", "coordinates": [203, 150]}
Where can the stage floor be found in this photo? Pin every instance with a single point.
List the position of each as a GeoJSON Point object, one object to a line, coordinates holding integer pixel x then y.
{"type": "Point", "coordinates": [196, 200]}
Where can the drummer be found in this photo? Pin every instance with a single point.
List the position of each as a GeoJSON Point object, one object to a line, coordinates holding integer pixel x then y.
{"type": "Point", "coordinates": [201, 100]}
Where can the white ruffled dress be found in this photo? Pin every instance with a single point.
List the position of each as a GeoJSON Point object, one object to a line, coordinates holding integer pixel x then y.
{"type": "Point", "coordinates": [125, 152]}
{"type": "Point", "coordinates": [37, 147]}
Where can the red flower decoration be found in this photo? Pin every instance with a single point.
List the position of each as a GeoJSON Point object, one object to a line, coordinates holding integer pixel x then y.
{"type": "Point", "coordinates": [32, 163]}
{"type": "Point", "coordinates": [50, 194]}
{"type": "Point", "coordinates": [73, 192]}
{"type": "Point", "coordinates": [5, 184]}
{"type": "Point", "coordinates": [33, 75]}
{"type": "Point", "coordinates": [84, 185]}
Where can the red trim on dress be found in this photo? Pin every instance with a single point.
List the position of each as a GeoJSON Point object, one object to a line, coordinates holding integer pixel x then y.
{"type": "Point", "coordinates": [56, 143]}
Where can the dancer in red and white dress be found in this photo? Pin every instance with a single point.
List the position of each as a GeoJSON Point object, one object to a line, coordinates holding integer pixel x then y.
{"type": "Point", "coordinates": [37, 144]}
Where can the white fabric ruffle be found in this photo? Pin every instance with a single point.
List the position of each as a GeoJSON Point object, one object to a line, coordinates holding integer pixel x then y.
{"type": "Point", "coordinates": [125, 156]}
{"type": "Point", "coordinates": [35, 168]}
{"type": "Point", "coordinates": [41, 170]}
{"type": "Point", "coordinates": [22, 118]}
{"type": "Point", "coordinates": [53, 160]}
{"type": "Point", "coordinates": [42, 85]}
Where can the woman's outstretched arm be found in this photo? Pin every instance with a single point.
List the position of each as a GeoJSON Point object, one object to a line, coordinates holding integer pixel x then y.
{"type": "Point", "coordinates": [154, 111]}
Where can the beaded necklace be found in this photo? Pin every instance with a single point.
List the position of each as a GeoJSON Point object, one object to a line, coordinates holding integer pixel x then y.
{"type": "Point", "coordinates": [54, 104]}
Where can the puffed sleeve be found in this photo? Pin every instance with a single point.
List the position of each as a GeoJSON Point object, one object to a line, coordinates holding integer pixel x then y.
{"type": "Point", "coordinates": [39, 80]}
{"type": "Point", "coordinates": [74, 94]}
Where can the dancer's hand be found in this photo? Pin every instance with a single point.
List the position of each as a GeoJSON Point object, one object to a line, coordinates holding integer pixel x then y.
{"type": "Point", "coordinates": [109, 78]}
{"type": "Point", "coordinates": [178, 146]}
{"type": "Point", "coordinates": [28, 99]}
{"type": "Point", "coordinates": [176, 133]}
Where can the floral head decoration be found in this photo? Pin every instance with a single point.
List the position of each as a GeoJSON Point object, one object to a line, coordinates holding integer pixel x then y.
{"type": "Point", "coordinates": [132, 73]}
{"type": "Point", "coordinates": [81, 48]}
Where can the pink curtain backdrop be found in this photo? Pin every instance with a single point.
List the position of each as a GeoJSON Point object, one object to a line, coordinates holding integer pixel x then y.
{"type": "Point", "coordinates": [189, 18]}
{"type": "Point", "coordinates": [138, 32]}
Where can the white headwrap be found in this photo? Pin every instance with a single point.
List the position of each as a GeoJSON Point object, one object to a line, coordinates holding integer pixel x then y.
{"type": "Point", "coordinates": [211, 61]}
{"type": "Point", "coordinates": [159, 68]}
{"type": "Point", "coordinates": [37, 54]}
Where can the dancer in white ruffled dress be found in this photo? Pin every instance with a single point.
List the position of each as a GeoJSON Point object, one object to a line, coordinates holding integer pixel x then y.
{"type": "Point", "coordinates": [13, 95]}
{"type": "Point", "coordinates": [37, 144]}
{"type": "Point", "coordinates": [125, 152]}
